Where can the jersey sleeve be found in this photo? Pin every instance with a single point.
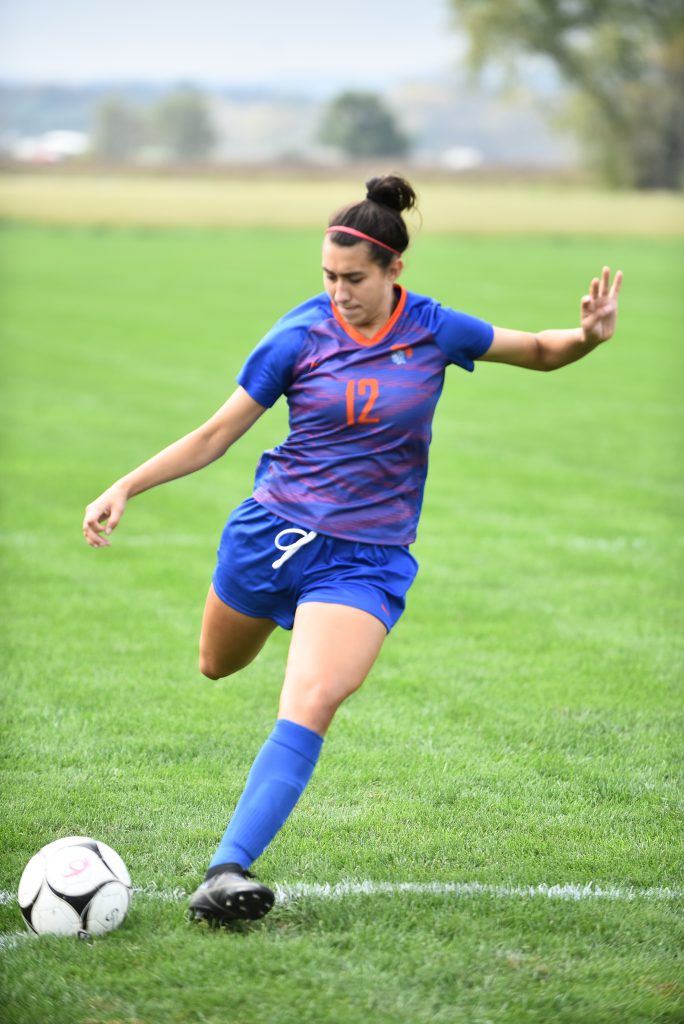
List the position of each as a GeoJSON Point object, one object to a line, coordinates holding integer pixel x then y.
{"type": "Point", "coordinates": [267, 373]}
{"type": "Point", "coordinates": [461, 337]}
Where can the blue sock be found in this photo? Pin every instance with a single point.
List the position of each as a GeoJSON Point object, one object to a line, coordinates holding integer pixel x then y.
{"type": "Point", "coordinates": [275, 783]}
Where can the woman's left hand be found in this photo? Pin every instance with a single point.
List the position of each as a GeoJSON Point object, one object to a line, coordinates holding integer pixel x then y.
{"type": "Point", "coordinates": [599, 308]}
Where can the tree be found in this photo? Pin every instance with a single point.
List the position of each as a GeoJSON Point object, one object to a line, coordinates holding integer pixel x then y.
{"type": "Point", "coordinates": [183, 126]}
{"type": "Point", "coordinates": [118, 130]}
{"type": "Point", "coordinates": [624, 62]}
{"type": "Point", "coordinates": [360, 125]}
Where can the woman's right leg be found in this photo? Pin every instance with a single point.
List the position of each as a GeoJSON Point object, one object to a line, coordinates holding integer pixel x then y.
{"type": "Point", "coordinates": [229, 640]}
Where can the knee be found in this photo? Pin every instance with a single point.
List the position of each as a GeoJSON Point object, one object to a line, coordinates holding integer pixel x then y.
{"type": "Point", "coordinates": [324, 699]}
{"type": "Point", "coordinates": [208, 673]}
{"type": "Point", "coordinates": [316, 703]}
{"type": "Point", "coordinates": [208, 669]}
{"type": "Point", "coordinates": [212, 669]}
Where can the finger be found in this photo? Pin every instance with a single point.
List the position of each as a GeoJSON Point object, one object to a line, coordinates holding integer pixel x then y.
{"type": "Point", "coordinates": [114, 517]}
{"type": "Point", "coordinates": [98, 512]}
{"type": "Point", "coordinates": [94, 539]}
{"type": "Point", "coordinates": [587, 305]}
{"type": "Point", "coordinates": [594, 289]}
{"type": "Point", "coordinates": [94, 521]}
{"type": "Point", "coordinates": [93, 525]}
{"type": "Point", "coordinates": [617, 284]}
{"type": "Point", "coordinates": [605, 281]}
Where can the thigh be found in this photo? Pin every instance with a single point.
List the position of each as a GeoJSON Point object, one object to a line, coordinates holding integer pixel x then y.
{"type": "Point", "coordinates": [229, 640]}
{"type": "Point", "coordinates": [332, 651]}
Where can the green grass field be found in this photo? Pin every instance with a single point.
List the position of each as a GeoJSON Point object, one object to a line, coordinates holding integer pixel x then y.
{"type": "Point", "coordinates": [267, 200]}
{"type": "Point", "coordinates": [521, 729]}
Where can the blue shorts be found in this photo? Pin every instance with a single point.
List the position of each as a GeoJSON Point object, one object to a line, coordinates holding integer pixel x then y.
{"type": "Point", "coordinates": [372, 577]}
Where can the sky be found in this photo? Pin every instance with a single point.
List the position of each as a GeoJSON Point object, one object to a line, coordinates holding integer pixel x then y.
{"type": "Point", "coordinates": [248, 43]}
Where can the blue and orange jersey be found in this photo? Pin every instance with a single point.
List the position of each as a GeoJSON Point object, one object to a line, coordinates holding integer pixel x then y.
{"type": "Point", "coordinates": [355, 461]}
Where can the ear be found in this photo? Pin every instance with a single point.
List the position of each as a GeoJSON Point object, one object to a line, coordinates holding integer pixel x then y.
{"type": "Point", "coordinates": [395, 268]}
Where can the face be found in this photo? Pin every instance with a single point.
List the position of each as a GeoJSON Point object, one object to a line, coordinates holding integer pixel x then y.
{"type": "Point", "coordinates": [362, 290]}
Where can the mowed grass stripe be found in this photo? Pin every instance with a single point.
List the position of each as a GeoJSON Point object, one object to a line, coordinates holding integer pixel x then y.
{"type": "Point", "coordinates": [260, 201]}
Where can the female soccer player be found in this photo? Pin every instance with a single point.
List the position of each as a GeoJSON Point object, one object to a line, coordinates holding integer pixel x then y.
{"type": "Point", "coordinates": [322, 546]}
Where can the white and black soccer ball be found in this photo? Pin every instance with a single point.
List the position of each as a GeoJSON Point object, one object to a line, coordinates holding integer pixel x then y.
{"type": "Point", "coordinates": [75, 886]}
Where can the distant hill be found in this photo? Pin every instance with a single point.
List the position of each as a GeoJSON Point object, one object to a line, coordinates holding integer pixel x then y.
{"type": "Point", "coordinates": [441, 116]}
{"type": "Point", "coordinates": [32, 109]}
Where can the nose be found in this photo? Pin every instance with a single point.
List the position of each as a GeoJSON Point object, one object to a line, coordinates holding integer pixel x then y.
{"type": "Point", "coordinates": [341, 293]}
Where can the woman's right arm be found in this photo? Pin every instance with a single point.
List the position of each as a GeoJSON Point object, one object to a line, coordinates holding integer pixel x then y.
{"type": "Point", "coordinates": [190, 453]}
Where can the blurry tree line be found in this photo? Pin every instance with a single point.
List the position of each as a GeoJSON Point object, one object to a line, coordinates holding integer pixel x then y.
{"type": "Point", "coordinates": [624, 63]}
{"type": "Point", "coordinates": [178, 127]}
{"type": "Point", "coordinates": [360, 125]}
{"type": "Point", "coordinates": [621, 60]}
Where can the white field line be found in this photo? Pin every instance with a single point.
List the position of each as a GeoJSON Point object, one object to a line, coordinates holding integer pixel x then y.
{"type": "Point", "coordinates": [302, 890]}
{"type": "Point", "coordinates": [305, 890]}
{"type": "Point", "coordinates": [567, 891]}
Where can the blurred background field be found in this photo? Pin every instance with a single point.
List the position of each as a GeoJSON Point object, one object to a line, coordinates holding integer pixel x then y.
{"type": "Point", "coordinates": [581, 90]}
{"type": "Point", "coordinates": [300, 201]}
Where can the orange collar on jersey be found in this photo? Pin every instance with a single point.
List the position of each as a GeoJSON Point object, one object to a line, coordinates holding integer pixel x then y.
{"type": "Point", "coordinates": [359, 234]}
{"type": "Point", "coordinates": [361, 339]}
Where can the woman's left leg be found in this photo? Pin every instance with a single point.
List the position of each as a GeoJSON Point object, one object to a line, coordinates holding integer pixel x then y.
{"type": "Point", "coordinates": [332, 651]}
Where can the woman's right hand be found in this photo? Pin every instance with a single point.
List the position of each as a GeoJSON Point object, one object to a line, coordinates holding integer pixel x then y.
{"type": "Point", "coordinates": [103, 515]}
{"type": "Point", "coordinates": [188, 454]}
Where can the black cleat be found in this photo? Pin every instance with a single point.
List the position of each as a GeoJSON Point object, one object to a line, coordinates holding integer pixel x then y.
{"type": "Point", "coordinates": [230, 893]}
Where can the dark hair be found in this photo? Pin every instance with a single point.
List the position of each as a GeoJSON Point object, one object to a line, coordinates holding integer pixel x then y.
{"type": "Point", "coordinates": [378, 215]}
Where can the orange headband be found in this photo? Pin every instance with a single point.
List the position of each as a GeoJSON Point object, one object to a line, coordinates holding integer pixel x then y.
{"type": "Point", "coordinates": [360, 234]}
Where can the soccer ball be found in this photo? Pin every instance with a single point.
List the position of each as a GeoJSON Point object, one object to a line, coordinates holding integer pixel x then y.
{"type": "Point", "coordinates": [74, 886]}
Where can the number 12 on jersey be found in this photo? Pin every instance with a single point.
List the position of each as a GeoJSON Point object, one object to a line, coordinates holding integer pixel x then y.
{"type": "Point", "coordinates": [367, 386]}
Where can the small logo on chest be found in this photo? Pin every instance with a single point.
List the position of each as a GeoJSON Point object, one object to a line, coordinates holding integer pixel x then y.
{"type": "Point", "coordinates": [400, 354]}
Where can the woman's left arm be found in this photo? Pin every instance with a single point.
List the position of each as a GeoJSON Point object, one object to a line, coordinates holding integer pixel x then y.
{"type": "Point", "coordinates": [549, 350]}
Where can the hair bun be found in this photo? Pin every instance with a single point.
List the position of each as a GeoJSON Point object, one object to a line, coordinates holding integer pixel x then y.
{"type": "Point", "coordinates": [391, 190]}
